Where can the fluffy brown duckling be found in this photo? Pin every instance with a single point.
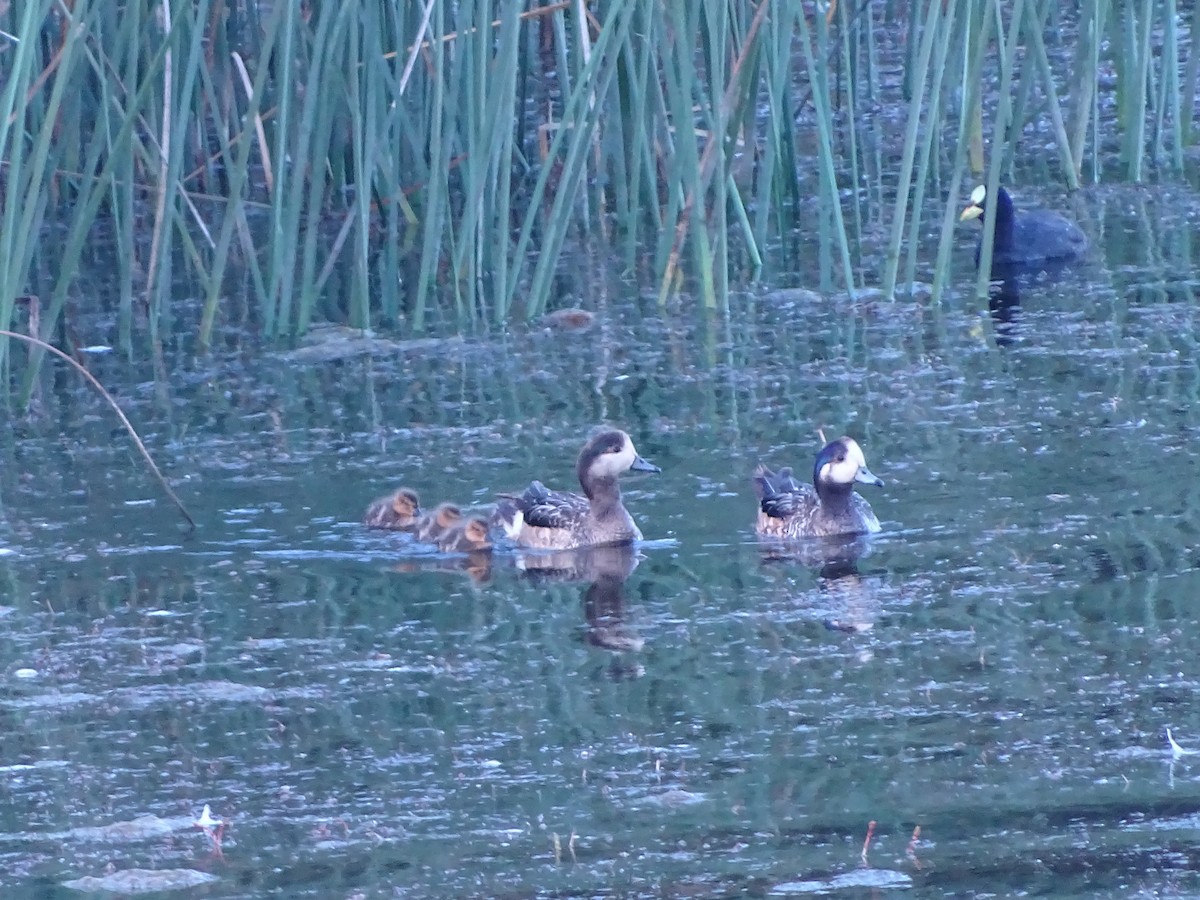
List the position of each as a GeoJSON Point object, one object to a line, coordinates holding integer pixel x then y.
{"type": "Point", "coordinates": [468, 535]}
{"type": "Point", "coordinates": [433, 525]}
{"type": "Point", "coordinates": [569, 319]}
{"type": "Point", "coordinates": [397, 511]}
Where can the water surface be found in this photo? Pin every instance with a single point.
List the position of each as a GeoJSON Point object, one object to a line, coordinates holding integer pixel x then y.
{"type": "Point", "coordinates": [997, 668]}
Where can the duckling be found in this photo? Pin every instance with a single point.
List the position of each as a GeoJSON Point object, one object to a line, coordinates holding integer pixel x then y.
{"type": "Point", "coordinates": [557, 520]}
{"type": "Point", "coordinates": [396, 512]}
{"type": "Point", "coordinates": [431, 526]}
{"type": "Point", "coordinates": [569, 319]}
{"type": "Point", "coordinates": [829, 507]}
{"type": "Point", "coordinates": [466, 536]}
{"type": "Point", "coordinates": [1028, 239]}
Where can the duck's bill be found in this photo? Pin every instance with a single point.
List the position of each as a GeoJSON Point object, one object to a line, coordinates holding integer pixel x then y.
{"type": "Point", "coordinates": [640, 465]}
{"type": "Point", "coordinates": [971, 212]}
{"type": "Point", "coordinates": [865, 476]}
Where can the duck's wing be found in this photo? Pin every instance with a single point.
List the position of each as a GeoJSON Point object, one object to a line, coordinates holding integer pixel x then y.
{"type": "Point", "coordinates": [866, 515]}
{"type": "Point", "coordinates": [764, 482]}
{"type": "Point", "coordinates": [539, 507]}
{"type": "Point", "coordinates": [379, 514]}
{"type": "Point", "coordinates": [780, 496]}
{"type": "Point", "coordinates": [786, 505]}
{"type": "Point", "coordinates": [544, 508]}
{"type": "Point", "coordinates": [1042, 235]}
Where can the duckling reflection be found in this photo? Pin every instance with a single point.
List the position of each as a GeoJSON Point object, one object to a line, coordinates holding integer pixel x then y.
{"type": "Point", "coordinates": [475, 565]}
{"type": "Point", "coordinates": [606, 569]}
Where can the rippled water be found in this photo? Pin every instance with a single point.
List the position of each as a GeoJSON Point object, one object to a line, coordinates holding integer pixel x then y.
{"type": "Point", "coordinates": [998, 669]}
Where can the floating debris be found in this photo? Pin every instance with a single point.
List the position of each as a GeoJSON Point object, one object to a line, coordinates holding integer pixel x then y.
{"type": "Point", "coordinates": [214, 828]}
{"type": "Point", "coordinates": [334, 342]}
{"type": "Point", "coordinates": [206, 819]}
{"type": "Point", "coordinates": [142, 881]}
{"type": "Point", "coordinates": [140, 829]}
{"type": "Point", "coordinates": [796, 295]}
{"type": "Point", "coordinates": [1176, 750]}
{"type": "Point", "coordinates": [870, 879]}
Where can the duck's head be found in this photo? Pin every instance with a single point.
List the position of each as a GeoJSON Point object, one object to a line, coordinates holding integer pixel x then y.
{"type": "Point", "coordinates": [841, 463]}
{"type": "Point", "coordinates": [607, 455]}
{"type": "Point", "coordinates": [978, 205]}
{"type": "Point", "coordinates": [406, 504]}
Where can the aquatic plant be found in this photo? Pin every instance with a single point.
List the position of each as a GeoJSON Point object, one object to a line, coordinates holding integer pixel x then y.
{"type": "Point", "coordinates": [411, 165]}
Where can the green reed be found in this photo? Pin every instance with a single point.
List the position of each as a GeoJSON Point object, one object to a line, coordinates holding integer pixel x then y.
{"type": "Point", "coordinates": [25, 197]}
{"type": "Point", "coordinates": [419, 165]}
{"type": "Point", "coordinates": [916, 107]}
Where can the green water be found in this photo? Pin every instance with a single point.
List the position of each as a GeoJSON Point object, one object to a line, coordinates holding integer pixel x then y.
{"type": "Point", "coordinates": [998, 668]}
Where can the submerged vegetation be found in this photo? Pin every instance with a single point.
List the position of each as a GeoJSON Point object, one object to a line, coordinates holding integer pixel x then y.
{"type": "Point", "coordinates": [397, 163]}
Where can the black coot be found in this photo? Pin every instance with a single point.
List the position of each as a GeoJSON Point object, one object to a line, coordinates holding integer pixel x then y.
{"type": "Point", "coordinates": [1028, 239]}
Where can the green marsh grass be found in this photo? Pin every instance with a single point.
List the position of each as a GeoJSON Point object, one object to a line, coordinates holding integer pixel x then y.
{"type": "Point", "coordinates": [431, 165]}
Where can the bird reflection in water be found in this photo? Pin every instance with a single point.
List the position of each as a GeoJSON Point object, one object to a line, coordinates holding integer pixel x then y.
{"type": "Point", "coordinates": [1004, 303]}
{"type": "Point", "coordinates": [850, 598]}
{"type": "Point", "coordinates": [1006, 291]}
{"type": "Point", "coordinates": [605, 570]}
{"type": "Point", "coordinates": [1033, 246]}
{"type": "Point", "coordinates": [476, 565]}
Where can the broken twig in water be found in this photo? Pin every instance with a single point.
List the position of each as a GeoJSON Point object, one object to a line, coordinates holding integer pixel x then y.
{"type": "Point", "coordinates": [120, 414]}
{"type": "Point", "coordinates": [867, 841]}
{"type": "Point", "coordinates": [1176, 750]}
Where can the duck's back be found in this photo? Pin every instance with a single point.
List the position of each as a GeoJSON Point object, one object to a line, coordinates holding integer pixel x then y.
{"type": "Point", "coordinates": [562, 520]}
{"type": "Point", "coordinates": [789, 509]}
{"type": "Point", "coordinates": [1040, 236]}
{"type": "Point", "coordinates": [380, 514]}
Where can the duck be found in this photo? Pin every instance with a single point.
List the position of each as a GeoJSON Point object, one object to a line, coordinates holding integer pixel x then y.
{"type": "Point", "coordinates": [570, 319]}
{"type": "Point", "coordinates": [558, 520]}
{"type": "Point", "coordinates": [433, 525]}
{"type": "Point", "coordinates": [1026, 239]}
{"type": "Point", "coordinates": [469, 535]}
{"type": "Point", "coordinates": [397, 511]}
{"type": "Point", "coordinates": [827, 508]}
